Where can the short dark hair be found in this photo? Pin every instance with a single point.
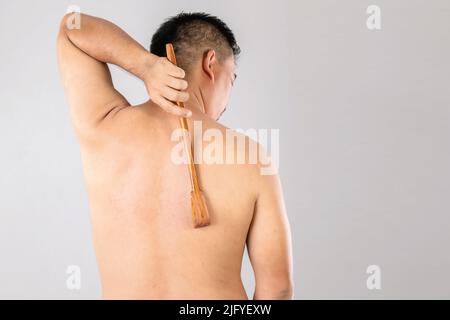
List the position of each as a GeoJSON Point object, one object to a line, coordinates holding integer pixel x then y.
{"type": "Point", "coordinates": [193, 34]}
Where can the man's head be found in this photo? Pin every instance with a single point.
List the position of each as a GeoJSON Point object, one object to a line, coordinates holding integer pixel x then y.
{"type": "Point", "coordinates": [207, 51]}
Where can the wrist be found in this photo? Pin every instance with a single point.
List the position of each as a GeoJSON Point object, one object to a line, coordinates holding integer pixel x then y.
{"type": "Point", "coordinates": [144, 63]}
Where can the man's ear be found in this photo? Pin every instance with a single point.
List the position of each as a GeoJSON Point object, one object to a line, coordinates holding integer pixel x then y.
{"type": "Point", "coordinates": [209, 60]}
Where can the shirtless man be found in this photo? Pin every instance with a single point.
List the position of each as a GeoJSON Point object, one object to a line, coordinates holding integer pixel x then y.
{"type": "Point", "coordinates": [146, 245]}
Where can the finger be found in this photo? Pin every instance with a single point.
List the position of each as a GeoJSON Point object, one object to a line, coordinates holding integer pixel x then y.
{"type": "Point", "coordinates": [172, 108]}
{"type": "Point", "coordinates": [175, 71]}
{"type": "Point", "coordinates": [175, 95]}
{"type": "Point", "coordinates": [176, 83]}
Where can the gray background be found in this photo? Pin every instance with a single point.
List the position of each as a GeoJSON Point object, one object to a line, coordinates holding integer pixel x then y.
{"type": "Point", "coordinates": [364, 129]}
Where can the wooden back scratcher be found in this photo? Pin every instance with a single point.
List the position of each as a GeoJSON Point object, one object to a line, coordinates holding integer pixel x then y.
{"type": "Point", "coordinates": [200, 215]}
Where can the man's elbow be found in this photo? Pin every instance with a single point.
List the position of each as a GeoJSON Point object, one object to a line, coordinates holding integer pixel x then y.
{"type": "Point", "coordinates": [286, 294]}
{"type": "Point", "coordinates": [278, 292]}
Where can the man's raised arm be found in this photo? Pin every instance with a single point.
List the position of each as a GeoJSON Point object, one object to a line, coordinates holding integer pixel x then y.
{"type": "Point", "coordinates": [83, 54]}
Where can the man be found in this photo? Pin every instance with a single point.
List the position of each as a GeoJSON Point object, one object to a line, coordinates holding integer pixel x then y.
{"type": "Point", "coordinates": [139, 197]}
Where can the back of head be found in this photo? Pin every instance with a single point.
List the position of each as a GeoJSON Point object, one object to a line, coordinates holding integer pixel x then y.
{"type": "Point", "coordinates": [193, 34]}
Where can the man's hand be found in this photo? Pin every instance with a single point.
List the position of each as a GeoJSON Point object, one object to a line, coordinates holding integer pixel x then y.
{"type": "Point", "coordinates": [165, 84]}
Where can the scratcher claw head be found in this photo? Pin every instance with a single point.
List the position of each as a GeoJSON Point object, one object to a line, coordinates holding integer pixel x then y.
{"type": "Point", "coordinates": [200, 214]}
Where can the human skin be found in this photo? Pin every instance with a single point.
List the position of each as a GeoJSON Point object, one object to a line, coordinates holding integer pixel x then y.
{"type": "Point", "coordinates": [139, 199]}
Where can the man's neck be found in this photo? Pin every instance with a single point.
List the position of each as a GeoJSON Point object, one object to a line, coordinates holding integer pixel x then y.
{"type": "Point", "coordinates": [196, 101]}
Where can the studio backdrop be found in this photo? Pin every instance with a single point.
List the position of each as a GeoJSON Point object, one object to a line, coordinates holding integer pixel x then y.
{"type": "Point", "coordinates": [359, 91]}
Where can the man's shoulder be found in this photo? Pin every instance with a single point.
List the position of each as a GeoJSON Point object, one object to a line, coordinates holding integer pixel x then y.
{"type": "Point", "coordinates": [121, 125]}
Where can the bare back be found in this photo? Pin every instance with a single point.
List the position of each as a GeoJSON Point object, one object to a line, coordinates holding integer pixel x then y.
{"type": "Point", "coordinates": [140, 200]}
